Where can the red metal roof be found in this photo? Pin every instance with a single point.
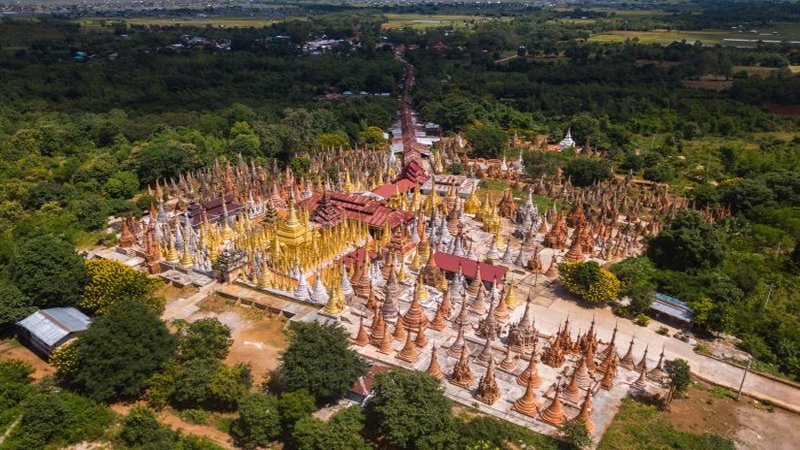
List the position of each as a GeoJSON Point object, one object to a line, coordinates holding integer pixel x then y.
{"type": "Point", "coordinates": [449, 263]}
{"type": "Point", "coordinates": [387, 190]}
{"type": "Point", "coordinates": [359, 207]}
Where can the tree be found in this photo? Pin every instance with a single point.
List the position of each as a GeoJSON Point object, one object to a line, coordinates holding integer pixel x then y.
{"type": "Point", "coordinates": [300, 165]}
{"type": "Point", "coordinates": [293, 406]}
{"type": "Point", "coordinates": [258, 422]}
{"type": "Point", "coordinates": [204, 338]}
{"type": "Point", "coordinates": [409, 409]}
{"type": "Point", "coordinates": [371, 137]}
{"type": "Point", "coordinates": [488, 140]}
{"type": "Point", "coordinates": [590, 282]}
{"type": "Point", "coordinates": [14, 305]}
{"type": "Point", "coordinates": [311, 433]}
{"type": "Point", "coordinates": [120, 350]}
{"type": "Point", "coordinates": [334, 140]}
{"type": "Point", "coordinates": [744, 197]}
{"type": "Point", "coordinates": [585, 171]}
{"type": "Point", "coordinates": [319, 359]}
{"type": "Point", "coordinates": [48, 271]}
{"type": "Point", "coordinates": [689, 244]}
{"type": "Point", "coordinates": [141, 429]}
{"type": "Point", "coordinates": [111, 281]}
{"type": "Point", "coordinates": [56, 418]}
{"type": "Point", "coordinates": [637, 281]}
{"type": "Point", "coordinates": [680, 377]}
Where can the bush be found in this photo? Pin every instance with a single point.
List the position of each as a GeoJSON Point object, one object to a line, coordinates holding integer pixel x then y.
{"type": "Point", "coordinates": [590, 282]}
{"type": "Point", "coordinates": [664, 331]}
{"type": "Point", "coordinates": [56, 419]}
{"type": "Point", "coordinates": [642, 320]}
{"type": "Point", "coordinates": [196, 416]}
{"type": "Point", "coordinates": [141, 428]}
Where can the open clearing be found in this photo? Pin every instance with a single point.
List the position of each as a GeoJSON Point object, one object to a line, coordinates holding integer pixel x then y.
{"type": "Point", "coordinates": [423, 21]}
{"type": "Point", "coordinates": [258, 337]}
{"type": "Point", "coordinates": [12, 349]}
{"type": "Point", "coordinates": [705, 410]}
{"type": "Point", "coordinates": [749, 423]}
{"type": "Point", "coordinates": [784, 32]}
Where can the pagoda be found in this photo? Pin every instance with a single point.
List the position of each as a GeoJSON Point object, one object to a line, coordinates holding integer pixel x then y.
{"type": "Point", "coordinates": [409, 352]}
{"type": "Point", "coordinates": [584, 416]}
{"type": "Point", "coordinates": [462, 374]}
{"type": "Point", "coordinates": [488, 392]}
{"type": "Point", "coordinates": [527, 404]}
{"type": "Point", "coordinates": [554, 413]}
{"type": "Point", "coordinates": [434, 369]}
{"type": "Point", "coordinates": [522, 335]}
{"type": "Point", "coordinates": [415, 317]}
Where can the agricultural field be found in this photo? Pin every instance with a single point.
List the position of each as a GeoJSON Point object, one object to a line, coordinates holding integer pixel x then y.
{"type": "Point", "coordinates": [777, 32]}
{"type": "Point", "coordinates": [95, 24]}
{"type": "Point", "coordinates": [425, 21]}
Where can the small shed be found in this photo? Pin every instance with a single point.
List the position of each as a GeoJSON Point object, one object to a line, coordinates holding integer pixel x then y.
{"type": "Point", "coordinates": [47, 329]}
{"type": "Point", "coordinates": [670, 309]}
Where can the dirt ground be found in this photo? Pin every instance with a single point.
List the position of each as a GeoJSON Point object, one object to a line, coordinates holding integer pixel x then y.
{"type": "Point", "coordinates": [174, 421]}
{"type": "Point", "coordinates": [258, 337]}
{"type": "Point", "coordinates": [749, 423]}
{"type": "Point", "coordinates": [258, 343]}
{"type": "Point", "coordinates": [11, 349]}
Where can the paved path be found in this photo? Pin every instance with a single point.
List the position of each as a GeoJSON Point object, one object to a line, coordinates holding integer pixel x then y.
{"type": "Point", "coordinates": [182, 308]}
{"type": "Point", "coordinates": [551, 309]}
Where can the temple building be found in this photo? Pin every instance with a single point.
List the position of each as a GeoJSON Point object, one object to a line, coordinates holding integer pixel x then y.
{"type": "Point", "coordinates": [567, 142]}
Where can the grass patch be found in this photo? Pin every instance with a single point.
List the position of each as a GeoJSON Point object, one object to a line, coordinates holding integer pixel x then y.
{"type": "Point", "coordinates": [195, 416]}
{"type": "Point", "coordinates": [722, 393]}
{"type": "Point", "coordinates": [639, 426]}
{"type": "Point", "coordinates": [497, 187]}
{"type": "Point", "coordinates": [222, 423]}
{"type": "Point", "coordinates": [425, 21]}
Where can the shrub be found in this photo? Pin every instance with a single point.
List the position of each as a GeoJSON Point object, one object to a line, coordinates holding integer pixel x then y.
{"type": "Point", "coordinates": [662, 330]}
{"type": "Point", "coordinates": [590, 282]}
{"type": "Point", "coordinates": [65, 358]}
{"type": "Point", "coordinates": [196, 416]}
{"type": "Point", "coordinates": [642, 320]}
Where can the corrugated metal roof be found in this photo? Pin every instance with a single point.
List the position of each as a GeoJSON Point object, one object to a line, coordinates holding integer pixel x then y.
{"type": "Point", "coordinates": [53, 324]}
{"type": "Point", "coordinates": [672, 307]}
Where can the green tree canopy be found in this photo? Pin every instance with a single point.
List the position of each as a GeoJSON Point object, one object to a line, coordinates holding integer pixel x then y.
{"type": "Point", "coordinates": [585, 170]}
{"type": "Point", "coordinates": [637, 277]}
{"type": "Point", "coordinates": [259, 420]}
{"type": "Point", "coordinates": [141, 429]}
{"type": "Point", "coordinates": [680, 377]}
{"type": "Point", "coordinates": [341, 432]}
{"type": "Point", "coordinates": [319, 359]}
{"type": "Point", "coordinates": [487, 139]}
{"type": "Point", "coordinates": [204, 338]}
{"type": "Point", "coordinates": [14, 305]}
{"type": "Point", "coordinates": [409, 409]}
{"type": "Point", "coordinates": [48, 271]}
{"type": "Point", "coordinates": [120, 350]}
{"type": "Point", "coordinates": [112, 281]}
{"type": "Point", "coordinates": [293, 406]}
{"type": "Point", "coordinates": [688, 244]}
{"type": "Point", "coordinates": [371, 137]}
